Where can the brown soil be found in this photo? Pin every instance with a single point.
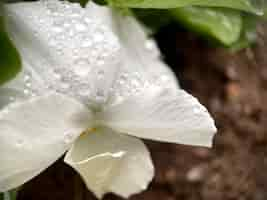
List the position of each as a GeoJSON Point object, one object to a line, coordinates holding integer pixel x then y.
{"type": "Point", "coordinates": [233, 86]}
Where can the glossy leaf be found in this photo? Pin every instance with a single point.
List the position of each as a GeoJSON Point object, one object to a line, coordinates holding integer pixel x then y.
{"type": "Point", "coordinates": [248, 35]}
{"type": "Point", "coordinates": [10, 63]}
{"type": "Point", "coordinates": [255, 6]}
{"type": "Point", "coordinates": [223, 24]}
{"type": "Point", "coordinates": [81, 2]}
{"type": "Point", "coordinates": [154, 18]}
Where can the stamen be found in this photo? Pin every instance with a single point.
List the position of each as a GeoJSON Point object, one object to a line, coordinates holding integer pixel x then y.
{"type": "Point", "coordinates": [88, 131]}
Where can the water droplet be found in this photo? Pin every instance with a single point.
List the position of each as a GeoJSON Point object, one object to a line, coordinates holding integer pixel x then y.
{"type": "Point", "coordinates": [57, 76]}
{"type": "Point", "coordinates": [100, 97]}
{"type": "Point", "coordinates": [26, 91]}
{"type": "Point", "coordinates": [100, 74]}
{"type": "Point", "coordinates": [150, 45]}
{"type": "Point", "coordinates": [12, 99]}
{"type": "Point", "coordinates": [82, 67]}
{"type": "Point", "coordinates": [28, 84]}
{"type": "Point", "coordinates": [20, 143]}
{"type": "Point", "coordinates": [80, 27]}
{"type": "Point", "coordinates": [68, 137]}
{"type": "Point", "coordinates": [27, 78]}
{"type": "Point", "coordinates": [86, 42]}
{"type": "Point", "coordinates": [87, 20]}
{"type": "Point", "coordinates": [197, 110]}
{"type": "Point", "coordinates": [98, 37]}
{"type": "Point", "coordinates": [57, 29]}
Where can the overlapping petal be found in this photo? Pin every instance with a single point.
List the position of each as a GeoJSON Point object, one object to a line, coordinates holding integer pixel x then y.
{"type": "Point", "coordinates": [158, 114]}
{"type": "Point", "coordinates": [35, 133]}
{"type": "Point", "coordinates": [110, 162]}
{"type": "Point", "coordinates": [139, 51]}
{"type": "Point", "coordinates": [90, 55]}
{"type": "Point", "coordinates": [72, 53]}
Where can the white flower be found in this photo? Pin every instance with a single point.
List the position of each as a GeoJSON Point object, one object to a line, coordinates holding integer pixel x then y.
{"type": "Point", "coordinates": [92, 82]}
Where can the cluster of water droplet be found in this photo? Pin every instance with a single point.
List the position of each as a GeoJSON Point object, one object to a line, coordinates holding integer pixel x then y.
{"type": "Point", "coordinates": [20, 89]}
{"type": "Point", "coordinates": [161, 75]}
{"type": "Point", "coordinates": [132, 80]}
{"type": "Point", "coordinates": [83, 49]}
{"type": "Point", "coordinates": [29, 87]}
{"type": "Point", "coordinates": [81, 46]}
{"type": "Point", "coordinates": [126, 85]}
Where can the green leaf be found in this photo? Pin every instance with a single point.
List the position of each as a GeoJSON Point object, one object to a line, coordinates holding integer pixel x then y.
{"type": "Point", "coordinates": [248, 35]}
{"type": "Point", "coordinates": [254, 6]}
{"type": "Point", "coordinates": [153, 18]}
{"type": "Point", "coordinates": [10, 63]}
{"type": "Point", "coordinates": [222, 24]}
{"type": "Point", "coordinates": [10, 195]}
{"type": "Point", "coordinates": [81, 2]}
{"type": "Point", "coordinates": [101, 2]}
{"type": "Point", "coordinates": [13, 194]}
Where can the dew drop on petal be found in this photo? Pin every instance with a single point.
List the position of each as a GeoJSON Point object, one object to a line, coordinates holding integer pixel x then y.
{"type": "Point", "coordinates": [20, 143]}
{"type": "Point", "coordinates": [80, 45]}
{"type": "Point", "coordinates": [150, 45]}
{"type": "Point", "coordinates": [68, 138]}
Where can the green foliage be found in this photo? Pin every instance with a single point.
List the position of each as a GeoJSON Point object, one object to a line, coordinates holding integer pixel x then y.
{"type": "Point", "coordinates": [248, 34]}
{"type": "Point", "coordinates": [222, 24]}
{"type": "Point", "coordinates": [82, 2]}
{"type": "Point", "coordinates": [11, 195]}
{"type": "Point", "coordinates": [254, 6]}
{"type": "Point", "coordinates": [220, 21]}
{"type": "Point", "coordinates": [226, 27]}
{"type": "Point", "coordinates": [154, 18]}
{"type": "Point", "coordinates": [100, 2]}
{"type": "Point", "coordinates": [10, 63]}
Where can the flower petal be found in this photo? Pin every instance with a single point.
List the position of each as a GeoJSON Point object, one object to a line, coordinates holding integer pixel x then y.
{"type": "Point", "coordinates": [71, 52]}
{"type": "Point", "coordinates": [110, 162]}
{"type": "Point", "coordinates": [25, 86]}
{"type": "Point", "coordinates": [8, 95]}
{"type": "Point", "coordinates": [159, 114]}
{"type": "Point", "coordinates": [140, 52]}
{"type": "Point", "coordinates": [35, 133]}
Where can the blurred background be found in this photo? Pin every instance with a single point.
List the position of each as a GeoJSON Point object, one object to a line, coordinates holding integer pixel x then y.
{"type": "Point", "coordinates": [233, 86]}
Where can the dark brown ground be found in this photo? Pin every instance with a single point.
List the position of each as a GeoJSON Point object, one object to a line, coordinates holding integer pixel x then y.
{"type": "Point", "coordinates": [234, 88]}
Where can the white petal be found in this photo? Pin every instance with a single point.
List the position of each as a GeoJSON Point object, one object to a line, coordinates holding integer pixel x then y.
{"type": "Point", "coordinates": [141, 63]}
{"type": "Point", "coordinates": [8, 95]}
{"type": "Point", "coordinates": [25, 86]}
{"type": "Point", "coordinates": [158, 114]}
{"type": "Point", "coordinates": [109, 162]}
{"type": "Point", "coordinates": [35, 133]}
{"type": "Point", "coordinates": [141, 52]}
{"type": "Point", "coordinates": [71, 52]}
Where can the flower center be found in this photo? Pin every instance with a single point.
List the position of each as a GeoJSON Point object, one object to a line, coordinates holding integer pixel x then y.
{"type": "Point", "coordinates": [89, 131]}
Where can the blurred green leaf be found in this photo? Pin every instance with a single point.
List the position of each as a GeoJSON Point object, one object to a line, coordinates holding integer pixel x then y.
{"type": "Point", "coordinates": [13, 194]}
{"type": "Point", "coordinates": [10, 63]}
{"type": "Point", "coordinates": [153, 18]}
{"type": "Point", "coordinates": [81, 2]}
{"type": "Point", "coordinates": [254, 6]}
{"type": "Point", "coordinates": [222, 24]}
{"type": "Point", "coordinates": [101, 2]}
{"type": "Point", "coordinates": [248, 35]}
{"type": "Point", "coordinates": [10, 195]}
